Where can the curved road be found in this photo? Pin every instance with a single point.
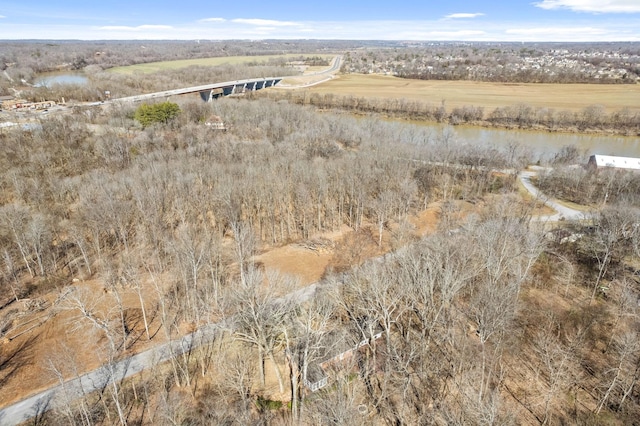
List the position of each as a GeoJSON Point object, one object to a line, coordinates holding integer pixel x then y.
{"type": "Point", "coordinates": [329, 72]}
{"type": "Point", "coordinates": [562, 212]}
{"type": "Point", "coordinates": [98, 379]}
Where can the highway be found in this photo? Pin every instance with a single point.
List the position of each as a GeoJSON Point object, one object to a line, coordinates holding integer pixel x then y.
{"type": "Point", "coordinates": [328, 74]}
{"type": "Point", "coordinates": [259, 84]}
{"type": "Point", "coordinates": [238, 85]}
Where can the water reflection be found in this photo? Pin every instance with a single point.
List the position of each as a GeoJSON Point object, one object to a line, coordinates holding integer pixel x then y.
{"type": "Point", "coordinates": [545, 144]}
{"type": "Point", "coordinates": [66, 78]}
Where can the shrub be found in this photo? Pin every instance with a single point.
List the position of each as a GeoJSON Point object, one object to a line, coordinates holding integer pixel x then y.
{"type": "Point", "coordinates": [156, 113]}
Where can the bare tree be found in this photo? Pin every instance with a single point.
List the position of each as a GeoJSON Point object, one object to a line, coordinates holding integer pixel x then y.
{"type": "Point", "coordinates": [305, 339]}
{"type": "Point", "coordinates": [614, 232]}
{"type": "Point", "coordinates": [625, 369]}
{"type": "Point", "coordinates": [558, 357]}
{"type": "Point", "coordinates": [261, 317]}
{"type": "Point", "coordinates": [89, 311]}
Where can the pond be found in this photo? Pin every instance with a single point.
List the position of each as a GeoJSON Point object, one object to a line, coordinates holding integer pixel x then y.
{"type": "Point", "coordinates": [66, 77]}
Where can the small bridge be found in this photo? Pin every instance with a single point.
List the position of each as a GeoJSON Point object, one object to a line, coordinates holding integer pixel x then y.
{"type": "Point", "coordinates": [210, 91]}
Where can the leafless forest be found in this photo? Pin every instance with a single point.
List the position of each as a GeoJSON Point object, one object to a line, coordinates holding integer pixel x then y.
{"type": "Point", "coordinates": [129, 237]}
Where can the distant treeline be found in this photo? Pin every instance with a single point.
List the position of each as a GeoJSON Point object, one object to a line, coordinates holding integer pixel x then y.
{"type": "Point", "coordinates": [593, 118]}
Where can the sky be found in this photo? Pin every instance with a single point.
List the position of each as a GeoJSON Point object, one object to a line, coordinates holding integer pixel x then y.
{"type": "Point", "coordinates": [470, 20]}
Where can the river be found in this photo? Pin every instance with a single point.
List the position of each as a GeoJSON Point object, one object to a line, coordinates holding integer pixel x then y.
{"type": "Point", "coordinates": [548, 143]}
{"type": "Point", "coordinates": [542, 145]}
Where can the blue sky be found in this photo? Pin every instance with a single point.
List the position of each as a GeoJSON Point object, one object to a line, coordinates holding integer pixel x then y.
{"type": "Point", "coordinates": [479, 20]}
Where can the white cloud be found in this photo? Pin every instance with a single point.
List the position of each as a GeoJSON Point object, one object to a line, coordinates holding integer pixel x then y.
{"type": "Point", "coordinates": [624, 28]}
{"type": "Point", "coordinates": [138, 28]}
{"type": "Point", "coordinates": [266, 22]}
{"type": "Point", "coordinates": [212, 20]}
{"type": "Point", "coordinates": [463, 15]}
{"type": "Point", "coordinates": [557, 31]}
{"type": "Point", "coordinates": [593, 6]}
{"type": "Point", "coordinates": [454, 35]}
{"type": "Point", "coordinates": [409, 34]}
{"type": "Point", "coordinates": [2, 16]}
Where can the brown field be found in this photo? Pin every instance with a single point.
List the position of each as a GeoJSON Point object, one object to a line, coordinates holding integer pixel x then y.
{"type": "Point", "coordinates": [612, 97]}
{"type": "Point", "coordinates": [152, 67]}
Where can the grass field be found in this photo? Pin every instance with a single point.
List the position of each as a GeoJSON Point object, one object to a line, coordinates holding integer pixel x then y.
{"type": "Point", "coordinates": [152, 67]}
{"type": "Point", "coordinates": [612, 97]}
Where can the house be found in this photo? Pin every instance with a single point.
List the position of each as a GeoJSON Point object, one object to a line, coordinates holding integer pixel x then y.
{"type": "Point", "coordinates": [316, 375]}
{"type": "Point", "coordinates": [609, 161]}
{"type": "Point", "coordinates": [215, 122]}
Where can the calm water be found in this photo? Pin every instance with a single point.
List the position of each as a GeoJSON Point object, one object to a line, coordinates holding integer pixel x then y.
{"type": "Point", "coordinates": [68, 77]}
{"type": "Point", "coordinates": [543, 143]}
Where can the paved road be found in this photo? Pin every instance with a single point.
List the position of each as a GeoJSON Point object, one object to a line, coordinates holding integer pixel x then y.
{"type": "Point", "coordinates": [335, 66]}
{"type": "Point", "coordinates": [98, 379]}
{"type": "Point", "coordinates": [562, 212]}
{"type": "Point", "coordinates": [329, 73]}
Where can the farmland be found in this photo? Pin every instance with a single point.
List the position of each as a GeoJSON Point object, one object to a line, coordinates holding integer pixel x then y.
{"type": "Point", "coordinates": [484, 94]}
{"type": "Point", "coordinates": [152, 67]}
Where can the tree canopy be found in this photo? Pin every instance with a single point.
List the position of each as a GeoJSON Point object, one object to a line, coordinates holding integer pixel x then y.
{"type": "Point", "coordinates": [157, 113]}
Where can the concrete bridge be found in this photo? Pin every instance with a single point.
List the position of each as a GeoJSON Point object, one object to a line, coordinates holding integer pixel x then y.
{"type": "Point", "coordinates": [210, 91]}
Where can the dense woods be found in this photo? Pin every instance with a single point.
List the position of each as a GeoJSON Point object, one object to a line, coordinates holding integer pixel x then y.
{"type": "Point", "coordinates": [487, 320]}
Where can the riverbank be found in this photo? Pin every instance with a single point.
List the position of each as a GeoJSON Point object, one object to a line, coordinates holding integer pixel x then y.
{"type": "Point", "coordinates": [593, 119]}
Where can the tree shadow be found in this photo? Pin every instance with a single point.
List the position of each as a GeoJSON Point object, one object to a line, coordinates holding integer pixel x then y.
{"type": "Point", "coordinates": [17, 358]}
{"type": "Point", "coordinates": [39, 410]}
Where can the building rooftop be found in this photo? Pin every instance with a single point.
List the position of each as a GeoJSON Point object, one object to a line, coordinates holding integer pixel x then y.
{"type": "Point", "coordinates": [614, 162]}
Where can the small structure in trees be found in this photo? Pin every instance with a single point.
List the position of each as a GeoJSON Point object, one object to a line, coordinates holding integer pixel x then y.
{"type": "Point", "coordinates": [20, 105]}
{"type": "Point", "coordinates": [609, 161]}
{"type": "Point", "coordinates": [316, 375]}
{"type": "Point", "coordinates": [215, 122]}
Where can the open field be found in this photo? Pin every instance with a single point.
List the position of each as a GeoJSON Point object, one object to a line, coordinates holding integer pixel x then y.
{"type": "Point", "coordinates": [152, 67]}
{"type": "Point", "coordinates": [488, 95]}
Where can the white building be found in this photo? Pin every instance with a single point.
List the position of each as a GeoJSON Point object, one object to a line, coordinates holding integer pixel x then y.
{"type": "Point", "coordinates": [604, 161]}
